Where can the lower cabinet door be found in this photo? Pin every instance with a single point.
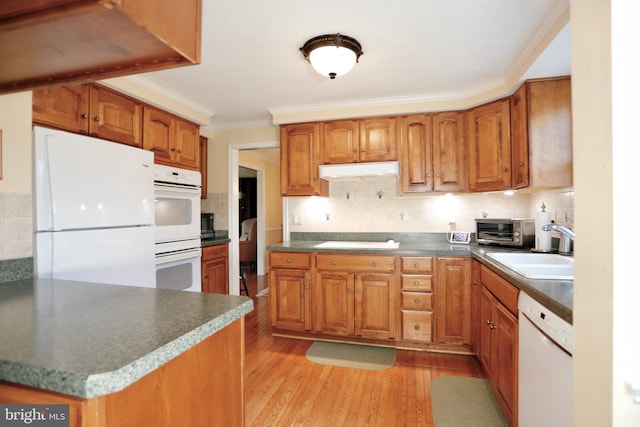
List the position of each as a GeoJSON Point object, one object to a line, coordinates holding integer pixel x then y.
{"type": "Point", "coordinates": [334, 303]}
{"type": "Point", "coordinates": [289, 298]}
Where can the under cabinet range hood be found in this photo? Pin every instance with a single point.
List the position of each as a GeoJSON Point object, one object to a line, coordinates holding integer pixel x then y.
{"type": "Point", "coordinates": [352, 171]}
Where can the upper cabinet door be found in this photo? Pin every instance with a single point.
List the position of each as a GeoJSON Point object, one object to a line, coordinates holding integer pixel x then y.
{"type": "Point", "coordinates": [299, 153]}
{"type": "Point", "coordinates": [489, 147]}
{"type": "Point", "coordinates": [62, 107]}
{"type": "Point", "coordinates": [519, 139]}
{"type": "Point", "coordinates": [187, 147]}
{"type": "Point", "coordinates": [416, 156]}
{"type": "Point", "coordinates": [378, 139]}
{"type": "Point", "coordinates": [448, 152]}
{"type": "Point", "coordinates": [340, 142]}
{"type": "Point", "coordinates": [115, 117]}
{"type": "Point", "coordinates": [158, 133]}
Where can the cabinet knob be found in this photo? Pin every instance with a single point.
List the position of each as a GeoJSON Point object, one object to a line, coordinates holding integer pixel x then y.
{"type": "Point", "coordinates": [334, 262]}
{"type": "Point", "coordinates": [173, 149]}
{"type": "Point", "coordinates": [362, 150]}
{"type": "Point", "coordinates": [492, 326]}
{"type": "Point", "coordinates": [375, 264]}
{"type": "Point", "coordinates": [438, 174]}
{"type": "Point", "coordinates": [84, 116]}
{"type": "Point", "coordinates": [417, 301]}
{"type": "Point", "coordinates": [416, 265]}
{"type": "Point", "coordinates": [206, 277]}
{"type": "Point", "coordinates": [358, 290]}
{"type": "Point", "coordinates": [355, 150]}
{"type": "Point", "coordinates": [306, 286]}
{"type": "Point", "coordinates": [475, 283]}
{"type": "Point", "coordinates": [416, 283]}
{"type": "Point", "coordinates": [179, 151]}
{"type": "Point", "coordinates": [505, 169]}
{"type": "Point", "coordinates": [521, 164]}
{"type": "Point", "coordinates": [348, 289]}
{"type": "Point", "coordinates": [428, 175]}
{"type": "Point", "coordinates": [417, 327]}
{"type": "Point", "coordinates": [96, 119]}
{"type": "Point", "coordinates": [289, 260]}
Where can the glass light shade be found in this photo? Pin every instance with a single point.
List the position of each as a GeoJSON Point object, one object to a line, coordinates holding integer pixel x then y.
{"type": "Point", "coordinates": [332, 61]}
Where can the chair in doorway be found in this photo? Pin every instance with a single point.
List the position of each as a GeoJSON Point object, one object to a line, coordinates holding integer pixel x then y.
{"type": "Point", "coordinates": [248, 248]}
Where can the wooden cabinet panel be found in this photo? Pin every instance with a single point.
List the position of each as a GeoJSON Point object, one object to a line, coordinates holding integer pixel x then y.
{"type": "Point", "coordinates": [334, 303]}
{"type": "Point", "coordinates": [541, 134]}
{"type": "Point", "coordinates": [416, 154]}
{"type": "Point", "coordinates": [449, 172]}
{"type": "Point", "coordinates": [61, 41]}
{"type": "Point", "coordinates": [417, 264]}
{"type": "Point", "coordinates": [503, 290]}
{"type": "Point", "coordinates": [475, 305]}
{"type": "Point", "coordinates": [174, 141]}
{"type": "Point", "coordinates": [489, 147]}
{"type": "Point", "coordinates": [340, 143]}
{"type": "Point", "coordinates": [416, 326]}
{"type": "Point", "coordinates": [417, 300]}
{"type": "Point", "coordinates": [215, 269]}
{"type": "Point", "coordinates": [376, 306]}
{"type": "Point", "coordinates": [415, 282]}
{"type": "Point", "coordinates": [62, 107]}
{"type": "Point", "coordinates": [299, 156]}
{"type": "Point", "coordinates": [498, 341]}
{"type": "Point", "coordinates": [115, 117]}
{"type": "Point", "coordinates": [90, 109]}
{"type": "Point", "coordinates": [432, 153]}
{"type": "Point", "coordinates": [378, 139]}
{"type": "Point", "coordinates": [290, 260]}
{"type": "Point", "coordinates": [453, 301]}
{"type": "Point", "coordinates": [342, 262]}
{"type": "Point", "coordinates": [290, 299]}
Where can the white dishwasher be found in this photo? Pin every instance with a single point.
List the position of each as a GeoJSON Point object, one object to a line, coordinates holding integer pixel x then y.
{"type": "Point", "coordinates": [545, 368]}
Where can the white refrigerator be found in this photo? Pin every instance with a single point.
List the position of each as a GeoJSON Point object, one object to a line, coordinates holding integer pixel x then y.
{"type": "Point", "coordinates": [93, 210]}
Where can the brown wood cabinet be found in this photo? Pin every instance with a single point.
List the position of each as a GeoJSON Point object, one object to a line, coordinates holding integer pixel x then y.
{"type": "Point", "coordinates": [356, 295]}
{"type": "Point", "coordinates": [299, 156]}
{"type": "Point", "coordinates": [201, 387]}
{"type": "Point", "coordinates": [215, 269]}
{"type": "Point", "coordinates": [489, 146]}
{"type": "Point", "coordinates": [290, 290]}
{"type": "Point", "coordinates": [417, 298]}
{"type": "Point", "coordinates": [541, 134]}
{"type": "Point", "coordinates": [453, 301]}
{"type": "Point", "coordinates": [498, 339]}
{"type": "Point", "coordinates": [90, 109]}
{"type": "Point", "coordinates": [363, 140]}
{"type": "Point", "coordinates": [173, 140]}
{"type": "Point", "coordinates": [432, 153]}
{"type": "Point", "coordinates": [80, 41]}
{"type": "Point", "coordinates": [204, 149]}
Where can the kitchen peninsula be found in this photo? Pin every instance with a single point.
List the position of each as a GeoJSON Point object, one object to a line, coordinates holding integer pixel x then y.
{"type": "Point", "coordinates": [121, 355]}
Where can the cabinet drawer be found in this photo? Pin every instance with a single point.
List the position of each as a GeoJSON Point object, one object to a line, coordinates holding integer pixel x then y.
{"type": "Point", "coordinates": [417, 282]}
{"type": "Point", "coordinates": [417, 300]}
{"type": "Point", "coordinates": [504, 291]}
{"type": "Point", "coordinates": [214, 252]}
{"type": "Point", "coordinates": [416, 325]}
{"type": "Point", "coordinates": [417, 264]}
{"type": "Point", "coordinates": [341, 262]}
{"type": "Point", "coordinates": [290, 259]}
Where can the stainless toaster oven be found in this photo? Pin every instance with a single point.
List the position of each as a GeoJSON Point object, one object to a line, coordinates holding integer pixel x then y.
{"type": "Point", "coordinates": [513, 232]}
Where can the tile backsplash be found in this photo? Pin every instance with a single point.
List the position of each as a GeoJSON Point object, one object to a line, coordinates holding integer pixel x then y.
{"type": "Point", "coordinates": [375, 205]}
{"type": "Point", "coordinates": [16, 225]}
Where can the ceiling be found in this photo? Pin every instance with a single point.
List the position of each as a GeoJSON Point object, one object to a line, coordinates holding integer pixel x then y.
{"type": "Point", "coordinates": [413, 50]}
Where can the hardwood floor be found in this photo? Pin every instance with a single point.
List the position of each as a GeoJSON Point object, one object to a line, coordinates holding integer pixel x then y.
{"type": "Point", "coordinates": [283, 388]}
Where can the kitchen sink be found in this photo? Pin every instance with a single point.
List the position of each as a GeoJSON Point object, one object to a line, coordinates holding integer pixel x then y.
{"type": "Point", "coordinates": [390, 244]}
{"type": "Point", "coordinates": [536, 266]}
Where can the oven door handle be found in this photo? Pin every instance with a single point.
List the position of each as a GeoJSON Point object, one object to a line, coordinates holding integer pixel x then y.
{"type": "Point", "coordinates": [176, 189]}
{"type": "Point", "coordinates": [167, 257]}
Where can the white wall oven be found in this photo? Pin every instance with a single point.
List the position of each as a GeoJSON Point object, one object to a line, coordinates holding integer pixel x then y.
{"type": "Point", "coordinates": [177, 228]}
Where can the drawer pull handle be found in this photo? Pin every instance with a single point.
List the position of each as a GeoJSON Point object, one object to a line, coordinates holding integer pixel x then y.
{"type": "Point", "coordinates": [417, 265]}
{"type": "Point", "coordinates": [374, 264]}
{"type": "Point", "coordinates": [417, 301]}
{"type": "Point", "coordinates": [416, 283]}
{"type": "Point", "coordinates": [289, 260]}
{"type": "Point", "coordinates": [417, 327]}
{"type": "Point", "coordinates": [334, 262]}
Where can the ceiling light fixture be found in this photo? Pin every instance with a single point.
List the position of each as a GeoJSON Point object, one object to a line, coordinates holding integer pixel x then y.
{"type": "Point", "coordinates": [332, 55]}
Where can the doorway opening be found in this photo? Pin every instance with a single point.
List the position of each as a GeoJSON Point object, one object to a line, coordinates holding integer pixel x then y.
{"type": "Point", "coordinates": [234, 211]}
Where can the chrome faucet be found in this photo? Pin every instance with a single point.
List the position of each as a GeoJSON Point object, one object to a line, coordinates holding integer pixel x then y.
{"type": "Point", "coordinates": [566, 237]}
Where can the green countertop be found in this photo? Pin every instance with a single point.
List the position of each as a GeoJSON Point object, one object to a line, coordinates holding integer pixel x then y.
{"type": "Point", "coordinates": [87, 339]}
